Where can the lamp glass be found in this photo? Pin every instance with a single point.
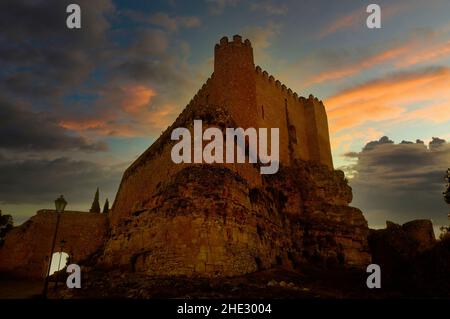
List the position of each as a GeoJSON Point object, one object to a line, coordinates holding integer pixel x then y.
{"type": "Point", "coordinates": [60, 204]}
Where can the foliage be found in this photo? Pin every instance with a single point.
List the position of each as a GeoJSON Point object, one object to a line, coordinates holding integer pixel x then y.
{"type": "Point", "coordinates": [95, 208]}
{"type": "Point", "coordinates": [6, 224]}
{"type": "Point", "coordinates": [447, 191]}
{"type": "Point", "coordinates": [106, 207]}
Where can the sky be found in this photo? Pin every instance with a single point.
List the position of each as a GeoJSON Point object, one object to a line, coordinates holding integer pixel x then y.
{"type": "Point", "coordinates": [78, 106]}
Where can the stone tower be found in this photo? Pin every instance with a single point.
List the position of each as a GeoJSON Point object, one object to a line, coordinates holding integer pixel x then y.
{"type": "Point", "coordinates": [234, 80]}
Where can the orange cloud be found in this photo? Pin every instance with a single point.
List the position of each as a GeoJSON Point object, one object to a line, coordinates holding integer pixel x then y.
{"type": "Point", "coordinates": [390, 99]}
{"type": "Point", "coordinates": [436, 113]}
{"type": "Point", "coordinates": [426, 54]}
{"type": "Point", "coordinates": [356, 68]}
{"type": "Point", "coordinates": [344, 141]}
{"type": "Point", "coordinates": [130, 112]}
{"type": "Point", "coordinates": [343, 22]}
{"type": "Point", "coordinates": [357, 18]}
{"type": "Point", "coordinates": [136, 97]}
{"type": "Point", "coordinates": [99, 127]}
{"type": "Point", "coordinates": [81, 125]}
{"type": "Point", "coordinates": [159, 119]}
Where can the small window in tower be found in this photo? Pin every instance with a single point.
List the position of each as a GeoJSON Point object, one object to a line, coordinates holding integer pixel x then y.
{"type": "Point", "coordinates": [262, 111]}
{"type": "Point", "coordinates": [207, 99]}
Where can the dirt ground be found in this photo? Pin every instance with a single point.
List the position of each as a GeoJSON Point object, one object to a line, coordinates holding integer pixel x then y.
{"type": "Point", "coordinates": [305, 283]}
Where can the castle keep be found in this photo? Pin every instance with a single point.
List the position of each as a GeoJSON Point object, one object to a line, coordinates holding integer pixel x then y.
{"type": "Point", "coordinates": [228, 219]}
{"type": "Point", "coordinates": [255, 99]}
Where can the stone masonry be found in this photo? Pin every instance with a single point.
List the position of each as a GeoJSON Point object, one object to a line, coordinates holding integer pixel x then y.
{"type": "Point", "coordinates": [26, 250]}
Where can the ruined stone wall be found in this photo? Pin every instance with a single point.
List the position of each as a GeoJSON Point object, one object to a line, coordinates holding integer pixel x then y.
{"type": "Point", "coordinates": [26, 250]}
{"type": "Point", "coordinates": [208, 221]}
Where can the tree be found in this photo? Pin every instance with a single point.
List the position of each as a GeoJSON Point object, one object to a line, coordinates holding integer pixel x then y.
{"type": "Point", "coordinates": [445, 230]}
{"type": "Point", "coordinates": [6, 224]}
{"type": "Point", "coordinates": [95, 208]}
{"type": "Point", "coordinates": [106, 207]}
{"type": "Point", "coordinates": [447, 190]}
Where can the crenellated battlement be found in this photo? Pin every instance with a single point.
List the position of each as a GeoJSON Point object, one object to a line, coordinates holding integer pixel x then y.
{"type": "Point", "coordinates": [237, 41]}
{"type": "Point", "coordinates": [283, 88]}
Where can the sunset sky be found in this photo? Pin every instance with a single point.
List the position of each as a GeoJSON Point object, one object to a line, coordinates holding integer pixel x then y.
{"type": "Point", "coordinates": [78, 106]}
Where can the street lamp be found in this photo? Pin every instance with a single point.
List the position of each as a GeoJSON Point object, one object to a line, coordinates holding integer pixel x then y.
{"type": "Point", "coordinates": [61, 246]}
{"type": "Point", "coordinates": [60, 205]}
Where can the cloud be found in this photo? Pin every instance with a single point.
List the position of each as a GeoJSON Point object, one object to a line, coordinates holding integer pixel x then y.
{"type": "Point", "coordinates": [426, 54]}
{"type": "Point", "coordinates": [136, 97]}
{"type": "Point", "coordinates": [422, 46]}
{"type": "Point", "coordinates": [345, 140]}
{"type": "Point", "coordinates": [269, 8]}
{"type": "Point", "coordinates": [24, 130]}
{"type": "Point", "coordinates": [174, 23]}
{"type": "Point", "coordinates": [144, 42]}
{"type": "Point", "coordinates": [85, 82]}
{"type": "Point", "coordinates": [39, 181]}
{"type": "Point", "coordinates": [48, 70]}
{"type": "Point", "coordinates": [391, 98]}
{"type": "Point", "coordinates": [400, 182]}
{"type": "Point", "coordinates": [261, 39]}
{"type": "Point", "coordinates": [358, 66]}
{"type": "Point", "coordinates": [218, 6]}
{"type": "Point", "coordinates": [261, 36]}
{"type": "Point", "coordinates": [357, 19]}
{"type": "Point", "coordinates": [164, 20]}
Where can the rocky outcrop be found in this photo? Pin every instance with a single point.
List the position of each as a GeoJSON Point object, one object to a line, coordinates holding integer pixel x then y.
{"type": "Point", "coordinates": [411, 260]}
{"type": "Point", "coordinates": [395, 247]}
{"type": "Point", "coordinates": [407, 240]}
{"type": "Point", "coordinates": [207, 220]}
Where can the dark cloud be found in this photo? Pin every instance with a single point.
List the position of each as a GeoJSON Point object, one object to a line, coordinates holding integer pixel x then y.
{"type": "Point", "coordinates": [40, 181]}
{"type": "Point", "coordinates": [218, 6]}
{"type": "Point", "coordinates": [373, 144]}
{"type": "Point", "coordinates": [23, 130]}
{"type": "Point", "coordinates": [79, 76]}
{"type": "Point", "coordinates": [163, 20]}
{"type": "Point", "coordinates": [65, 90]}
{"type": "Point", "coordinates": [401, 182]}
{"type": "Point", "coordinates": [51, 57]}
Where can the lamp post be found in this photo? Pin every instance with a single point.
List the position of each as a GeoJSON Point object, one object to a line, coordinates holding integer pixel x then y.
{"type": "Point", "coordinates": [60, 205]}
{"type": "Point", "coordinates": [61, 246]}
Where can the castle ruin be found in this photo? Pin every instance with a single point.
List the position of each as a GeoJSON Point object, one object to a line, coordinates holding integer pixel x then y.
{"type": "Point", "coordinates": [228, 219]}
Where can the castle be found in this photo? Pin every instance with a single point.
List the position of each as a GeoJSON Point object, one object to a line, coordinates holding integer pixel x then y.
{"type": "Point", "coordinates": [228, 219]}
{"type": "Point", "coordinates": [222, 219]}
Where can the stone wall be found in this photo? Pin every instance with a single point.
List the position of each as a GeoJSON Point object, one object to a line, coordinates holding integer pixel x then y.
{"type": "Point", "coordinates": [26, 250]}
{"type": "Point", "coordinates": [207, 220]}
{"type": "Point", "coordinates": [405, 253]}
{"type": "Point", "coordinates": [302, 121]}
